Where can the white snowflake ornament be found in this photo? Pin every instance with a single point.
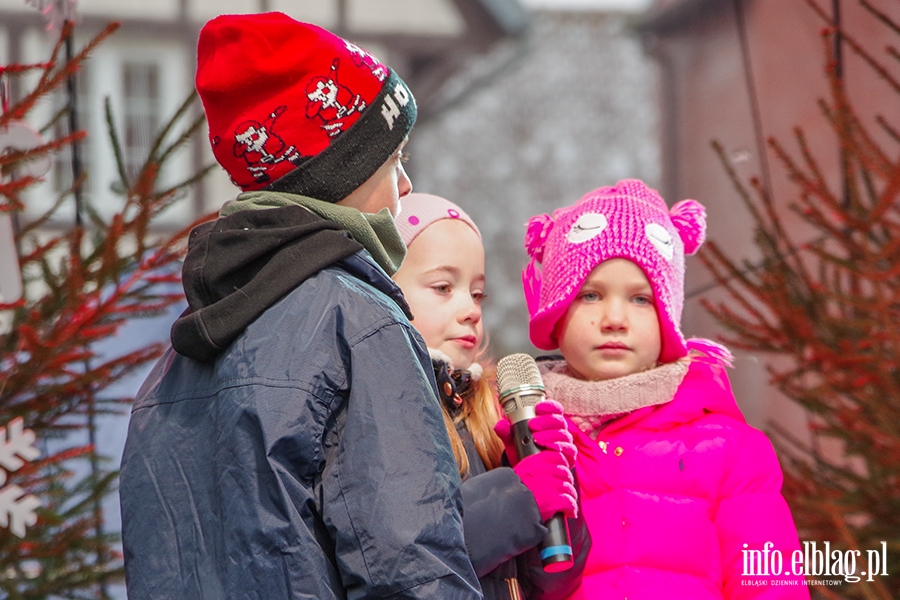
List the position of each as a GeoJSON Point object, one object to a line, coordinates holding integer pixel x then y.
{"type": "Point", "coordinates": [16, 448]}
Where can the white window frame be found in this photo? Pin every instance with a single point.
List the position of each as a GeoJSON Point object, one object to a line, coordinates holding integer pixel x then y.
{"type": "Point", "coordinates": [105, 73]}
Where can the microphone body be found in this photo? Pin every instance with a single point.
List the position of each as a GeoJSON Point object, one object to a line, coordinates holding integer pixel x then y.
{"type": "Point", "coordinates": [521, 388]}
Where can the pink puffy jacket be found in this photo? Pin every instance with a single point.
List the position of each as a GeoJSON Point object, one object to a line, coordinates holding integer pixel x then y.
{"type": "Point", "coordinates": [679, 492]}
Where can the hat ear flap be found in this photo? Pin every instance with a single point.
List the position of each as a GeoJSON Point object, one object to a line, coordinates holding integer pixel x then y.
{"type": "Point", "coordinates": [531, 285]}
{"type": "Point", "coordinates": [536, 232]}
{"type": "Point", "coordinates": [689, 218]}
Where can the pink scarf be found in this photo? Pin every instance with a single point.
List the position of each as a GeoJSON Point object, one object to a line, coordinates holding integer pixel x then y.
{"type": "Point", "coordinates": [590, 404]}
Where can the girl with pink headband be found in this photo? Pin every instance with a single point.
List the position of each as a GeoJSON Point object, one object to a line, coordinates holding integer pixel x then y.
{"type": "Point", "coordinates": [505, 502]}
{"type": "Point", "coordinates": [681, 496]}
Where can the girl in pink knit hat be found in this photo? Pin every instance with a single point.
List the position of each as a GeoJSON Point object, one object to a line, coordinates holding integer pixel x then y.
{"type": "Point", "coordinates": [504, 507]}
{"type": "Point", "coordinates": [681, 496]}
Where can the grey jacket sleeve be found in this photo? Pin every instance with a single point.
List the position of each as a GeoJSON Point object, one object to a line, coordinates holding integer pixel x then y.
{"type": "Point", "coordinates": [390, 488]}
{"type": "Point", "coordinates": [502, 519]}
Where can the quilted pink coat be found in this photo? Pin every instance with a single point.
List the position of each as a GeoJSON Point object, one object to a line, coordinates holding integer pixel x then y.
{"type": "Point", "coordinates": [678, 492]}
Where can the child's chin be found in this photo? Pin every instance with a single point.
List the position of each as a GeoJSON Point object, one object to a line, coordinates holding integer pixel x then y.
{"type": "Point", "coordinates": [607, 372]}
{"type": "Point", "coordinates": [461, 360]}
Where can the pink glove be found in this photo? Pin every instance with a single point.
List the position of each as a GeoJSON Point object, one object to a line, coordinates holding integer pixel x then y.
{"type": "Point", "coordinates": [549, 430]}
{"type": "Point", "coordinates": [549, 479]}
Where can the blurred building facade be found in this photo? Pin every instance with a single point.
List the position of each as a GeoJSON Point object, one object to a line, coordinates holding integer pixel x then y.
{"type": "Point", "coordinates": [739, 72]}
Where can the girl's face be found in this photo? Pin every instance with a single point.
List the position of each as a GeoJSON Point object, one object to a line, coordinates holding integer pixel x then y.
{"type": "Point", "coordinates": [442, 278]}
{"type": "Point", "coordinates": [611, 328]}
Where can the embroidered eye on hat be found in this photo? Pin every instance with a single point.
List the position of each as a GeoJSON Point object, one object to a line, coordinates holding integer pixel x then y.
{"type": "Point", "coordinates": [418, 211]}
{"type": "Point", "coordinates": [628, 220]}
{"type": "Point", "coordinates": [292, 107]}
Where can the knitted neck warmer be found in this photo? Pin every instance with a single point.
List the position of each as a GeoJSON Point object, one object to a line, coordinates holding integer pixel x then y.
{"type": "Point", "coordinates": [376, 232]}
{"type": "Point", "coordinates": [590, 404]}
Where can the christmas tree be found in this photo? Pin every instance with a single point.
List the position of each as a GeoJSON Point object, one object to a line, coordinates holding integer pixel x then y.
{"type": "Point", "coordinates": [78, 288]}
{"type": "Point", "coordinates": [826, 308]}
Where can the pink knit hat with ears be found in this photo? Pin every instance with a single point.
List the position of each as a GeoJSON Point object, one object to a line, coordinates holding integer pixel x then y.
{"type": "Point", "coordinates": [628, 220]}
{"type": "Point", "coordinates": [418, 211]}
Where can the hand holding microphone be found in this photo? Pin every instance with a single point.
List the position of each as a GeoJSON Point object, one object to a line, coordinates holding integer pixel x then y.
{"type": "Point", "coordinates": [549, 430]}
{"type": "Point", "coordinates": [548, 478]}
{"type": "Point", "coordinates": [546, 473]}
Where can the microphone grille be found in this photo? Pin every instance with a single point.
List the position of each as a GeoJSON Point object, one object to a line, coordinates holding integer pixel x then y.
{"type": "Point", "coordinates": [518, 370]}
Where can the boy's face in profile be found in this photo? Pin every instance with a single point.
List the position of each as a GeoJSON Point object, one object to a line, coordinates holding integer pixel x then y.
{"type": "Point", "coordinates": [384, 188]}
{"type": "Point", "coordinates": [611, 329]}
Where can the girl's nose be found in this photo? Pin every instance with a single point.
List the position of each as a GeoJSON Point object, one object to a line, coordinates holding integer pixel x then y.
{"type": "Point", "coordinates": [471, 312]}
{"type": "Point", "coordinates": [614, 316]}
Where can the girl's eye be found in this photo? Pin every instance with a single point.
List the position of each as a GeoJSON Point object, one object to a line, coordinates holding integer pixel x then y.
{"type": "Point", "coordinates": [479, 297]}
{"type": "Point", "coordinates": [403, 156]}
{"type": "Point", "coordinates": [589, 296]}
{"type": "Point", "coordinates": [443, 288]}
{"type": "Point", "coordinates": [643, 300]}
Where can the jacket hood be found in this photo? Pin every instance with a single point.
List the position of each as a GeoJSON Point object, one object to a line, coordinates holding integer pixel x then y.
{"type": "Point", "coordinates": [239, 265]}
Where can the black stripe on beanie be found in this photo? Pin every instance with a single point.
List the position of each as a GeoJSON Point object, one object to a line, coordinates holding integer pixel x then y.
{"type": "Point", "coordinates": [355, 155]}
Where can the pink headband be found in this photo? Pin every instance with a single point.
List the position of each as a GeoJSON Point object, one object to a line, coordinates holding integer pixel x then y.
{"type": "Point", "coordinates": [418, 211]}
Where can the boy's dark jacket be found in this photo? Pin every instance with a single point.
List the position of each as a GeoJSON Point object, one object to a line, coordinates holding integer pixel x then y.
{"type": "Point", "coordinates": [293, 447]}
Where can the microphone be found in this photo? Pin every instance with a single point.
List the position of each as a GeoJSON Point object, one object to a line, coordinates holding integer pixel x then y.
{"type": "Point", "coordinates": [521, 388]}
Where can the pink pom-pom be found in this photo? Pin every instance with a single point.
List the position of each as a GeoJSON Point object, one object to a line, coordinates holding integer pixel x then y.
{"type": "Point", "coordinates": [689, 218]}
{"type": "Point", "coordinates": [536, 231]}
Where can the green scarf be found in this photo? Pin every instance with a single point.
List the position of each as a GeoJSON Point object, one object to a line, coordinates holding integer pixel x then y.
{"type": "Point", "coordinates": [376, 232]}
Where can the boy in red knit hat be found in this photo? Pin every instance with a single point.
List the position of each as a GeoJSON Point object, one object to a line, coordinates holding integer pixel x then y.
{"type": "Point", "coordinates": [277, 450]}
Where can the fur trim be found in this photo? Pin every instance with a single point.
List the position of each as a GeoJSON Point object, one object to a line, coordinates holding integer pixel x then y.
{"type": "Point", "coordinates": [475, 370]}
{"type": "Point", "coordinates": [436, 354]}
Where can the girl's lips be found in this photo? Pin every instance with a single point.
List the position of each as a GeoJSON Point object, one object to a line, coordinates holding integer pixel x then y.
{"type": "Point", "coordinates": [467, 341]}
{"type": "Point", "coordinates": [613, 346]}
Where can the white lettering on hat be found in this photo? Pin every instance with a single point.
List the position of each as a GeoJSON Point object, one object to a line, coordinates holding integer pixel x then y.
{"type": "Point", "coordinates": [661, 239]}
{"type": "Point", "coordinates": [401, 94]}
{"type": "Point", "coordinates": [389, 109]}
{"type": "Point", "coordinates": [587, 227]}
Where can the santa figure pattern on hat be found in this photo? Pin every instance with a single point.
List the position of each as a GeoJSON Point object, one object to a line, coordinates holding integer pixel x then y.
{"type": "Point", "coordinates": [259, 145]}
{"type": "Point", "coordinates": [628, 220]}
{"type": "Point", "coordinates": [290, 105]}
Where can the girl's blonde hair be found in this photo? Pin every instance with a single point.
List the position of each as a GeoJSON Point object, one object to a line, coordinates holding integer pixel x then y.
{"type": "Point", "coordinates": [480, 412]}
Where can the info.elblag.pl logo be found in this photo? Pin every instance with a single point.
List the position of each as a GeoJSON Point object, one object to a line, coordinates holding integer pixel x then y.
{"type": "Point", "coordinates": [813, 561]}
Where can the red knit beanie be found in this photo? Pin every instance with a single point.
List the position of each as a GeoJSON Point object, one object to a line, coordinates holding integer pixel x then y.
{"type": "Point", "coordinates": [292, 107]}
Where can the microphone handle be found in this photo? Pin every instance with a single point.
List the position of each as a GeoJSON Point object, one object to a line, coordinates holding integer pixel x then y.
{"type": "Point", "coordinates": [556, 549]}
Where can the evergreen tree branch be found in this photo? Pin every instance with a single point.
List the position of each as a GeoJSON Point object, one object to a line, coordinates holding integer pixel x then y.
{"type": "Point", "coordinates": [117, 147]}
